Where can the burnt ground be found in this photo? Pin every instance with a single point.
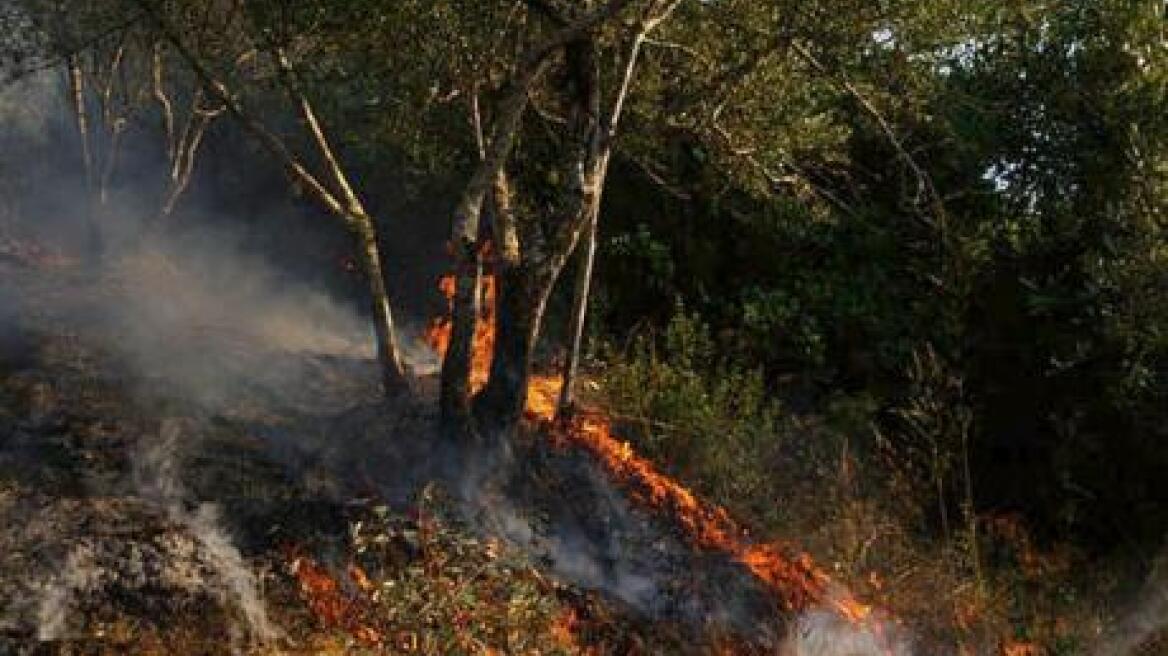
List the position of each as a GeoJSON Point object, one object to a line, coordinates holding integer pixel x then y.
{"type": "Point", "coordinates": [149, 495]}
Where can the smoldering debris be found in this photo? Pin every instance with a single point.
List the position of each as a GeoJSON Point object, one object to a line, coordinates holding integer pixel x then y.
{"type": "Point", "coordinates": [78, 575]}
{"type": "Point", "coordinates": [72, 567]}
{"type": "Point", "coordinates": [293, 366]}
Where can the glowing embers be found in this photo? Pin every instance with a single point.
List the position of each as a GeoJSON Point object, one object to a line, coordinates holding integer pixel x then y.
{"type": "Point", "coordinates": [336, 605]}
{"type": "Point", "coordinates": [794, 578]}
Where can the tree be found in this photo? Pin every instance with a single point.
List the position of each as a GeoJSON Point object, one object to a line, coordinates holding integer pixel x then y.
{"type": "Point", "coordinates": [256, 33]}
{"type": "Point", "coordinates": [116, 68]}
{"type": "Point", "coordinates": [533, 248]}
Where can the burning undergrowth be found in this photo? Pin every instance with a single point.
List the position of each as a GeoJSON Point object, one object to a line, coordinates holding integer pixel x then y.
{"type": "Point", "coordinates": [420, 581]}
{"type": "Point", "coordinates": [251, 393]}
{"type": "Point", "coordinates": [757, 588]}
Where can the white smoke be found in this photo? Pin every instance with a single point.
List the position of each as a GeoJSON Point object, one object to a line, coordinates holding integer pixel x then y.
{"type": "Point", "coordinates": [157, 476]}
{"type": "Point", "coordinates": [1144, 622]}
{"type": "Point", "coordinates": [821, 632]}
{"type": "Point", "coordinates": [77, 575]}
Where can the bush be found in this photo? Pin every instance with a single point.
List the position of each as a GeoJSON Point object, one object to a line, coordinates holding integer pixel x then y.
{"type": "Point", "coordinates": [710, 420]}
{"type": "Point", "coordinates": [885, 509]}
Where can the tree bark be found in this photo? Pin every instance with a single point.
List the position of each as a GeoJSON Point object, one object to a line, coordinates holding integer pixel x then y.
{"type": "Point", "coordinates": [455, 385]}
{"type": "Point", "coordinates": [94, 246]}
{"type": "Point", "coordinates": [525, 284]}
{"type": "Point", "coordinates": [393, 371]}
{"type": "Point", "coordinates": [583, 286]}
{"type": "Point", "coordinates": [598, 175]}
{"type": "Point", "coordinates": [524, 288]}
{"type": "Point", "coordinates": [519, 306]}
{"type": "Point", "coordinates": [182, 145]}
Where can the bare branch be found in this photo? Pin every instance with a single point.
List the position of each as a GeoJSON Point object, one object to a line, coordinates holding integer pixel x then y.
{"type": "Point", "coordinates": [926, 190]}
{"type": "Point", "coordinates": [272, 143]}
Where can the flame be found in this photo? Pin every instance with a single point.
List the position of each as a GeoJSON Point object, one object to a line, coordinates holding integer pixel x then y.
{"type": "Point", "coordinates": [792, 576]}
{"type": "Point", "coordinates": [329, 603]}
{"type": "Point", "coordinates": [437, 333]}
{"type": "Point", "coordinates": [566, 627]}
{"type": "Point", "coordinates": [1022, 649]}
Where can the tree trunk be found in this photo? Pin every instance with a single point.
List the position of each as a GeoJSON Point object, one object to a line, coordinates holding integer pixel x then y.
{"type": "Point", "coordinates": [579, 313]}
{"type": "Point", "coordinates": [454, 388]}
{"type": "Point", "coordinates": [523, 289]}
{"type": "Point", "coordinates": [519, 305]}
{"type": "Point", "coordinates": [94, 246]}
{"type": "Point", "coordinates": [346, 206]}
{"type": "Point", "coordinates": [393, 375]}
{"type": "Point", "coordinates": [455, 382]}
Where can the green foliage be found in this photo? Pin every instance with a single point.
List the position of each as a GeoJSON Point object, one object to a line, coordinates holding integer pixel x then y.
{"type": "Point", "coordinates": [711, 419]}
{"type": "Point", "coordinates": [437, 589]}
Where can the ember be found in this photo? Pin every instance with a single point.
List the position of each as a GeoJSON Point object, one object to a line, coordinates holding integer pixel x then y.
{"type": "Point", "coordinates": [329, 602]}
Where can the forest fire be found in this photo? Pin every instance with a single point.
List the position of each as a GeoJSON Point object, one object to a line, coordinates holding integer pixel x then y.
{"type": "Point", "coordinates": [793, 577]}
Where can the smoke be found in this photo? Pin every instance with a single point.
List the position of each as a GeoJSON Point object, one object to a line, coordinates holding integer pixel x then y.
{"type": "Point", "coordinates": [192, 318]}
{"type": "Point", "coordinates": [78, 574]}
{"type": "Point", "coordinates": [1144, 626]}
{"type": "Point", "coordinates": [198, 315]}
{"type": "Point", "coordinates": [822, 632]}
{"type": "Point", "coordinates": [157, 476]}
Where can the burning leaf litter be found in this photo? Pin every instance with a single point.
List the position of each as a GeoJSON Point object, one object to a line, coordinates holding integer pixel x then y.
{"type": "Point", "coordinates": [419, 582]}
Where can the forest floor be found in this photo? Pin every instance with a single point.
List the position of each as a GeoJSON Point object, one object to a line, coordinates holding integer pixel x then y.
{"type": "Point", "coordinates": [189, 486]}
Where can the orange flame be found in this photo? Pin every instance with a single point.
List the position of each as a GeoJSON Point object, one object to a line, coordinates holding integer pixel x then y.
{"type": "Point", "coordinates": [437, 333]}
{"type": "Point", "coordinates": [792, 576]}
{"type": "Point", "coordinates": [329, 603]}
{"type": "Point", "coordinates": [1022, 649]}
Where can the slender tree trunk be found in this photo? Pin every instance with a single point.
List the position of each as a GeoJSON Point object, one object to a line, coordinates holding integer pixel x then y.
{"type": "Point", "coordinates": [393, 376]}
{"type": "Point", "coordinates": [94, 246]}
{"type": "Point", "coordinates": [344, 203]}
{"type": "Point", "coordinates": [602, 154]}
{"type": "Point", "coordinates": [579, 313]}
{"type": "Point", "coordinates": [182, 145]}
{"type": "Point", "coordinates": [455, 383]}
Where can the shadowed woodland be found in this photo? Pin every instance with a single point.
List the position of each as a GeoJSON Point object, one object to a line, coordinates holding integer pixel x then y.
{"type": "Point", "coordinates": [584, 326]}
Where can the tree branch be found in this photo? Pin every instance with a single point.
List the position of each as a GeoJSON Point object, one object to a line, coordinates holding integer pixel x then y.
{"type": "Point", "coordinates": [270, 142]}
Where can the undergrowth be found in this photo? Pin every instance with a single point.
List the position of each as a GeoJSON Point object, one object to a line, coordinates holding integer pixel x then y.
{"type": "Point", "coordinates": [886, 507]}
{"type": "Point", "coordinates": [422, 582]}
